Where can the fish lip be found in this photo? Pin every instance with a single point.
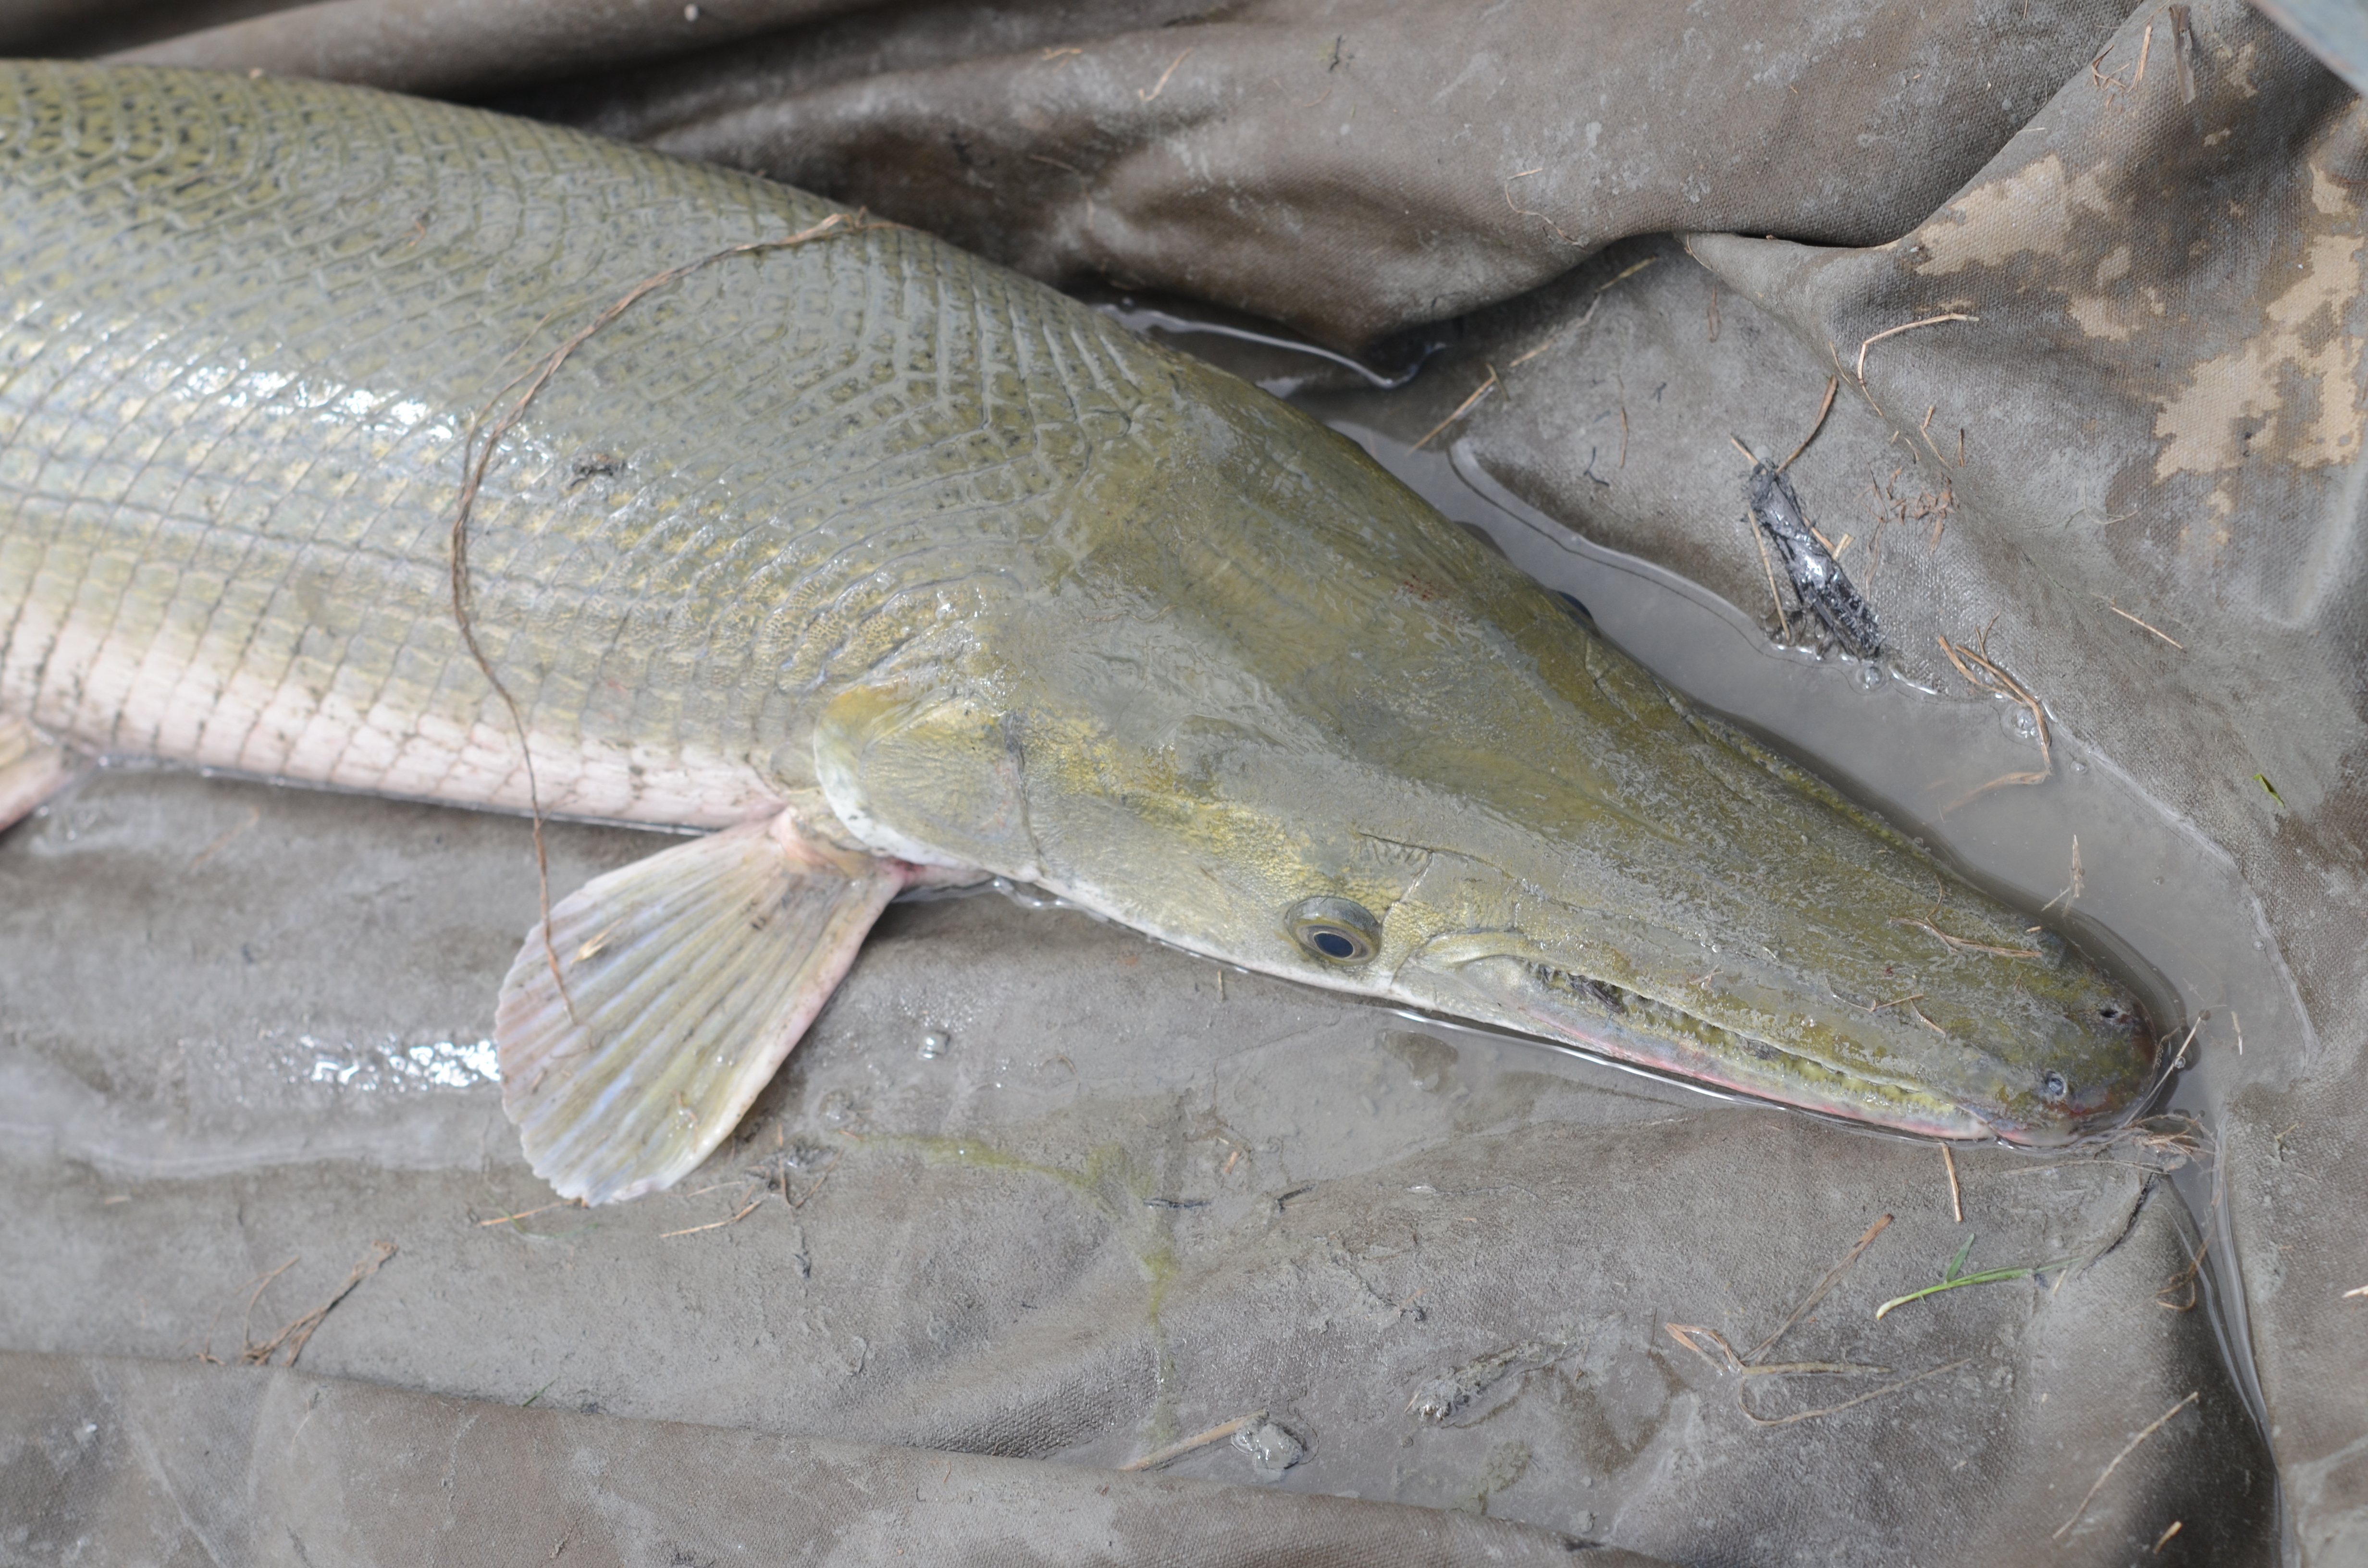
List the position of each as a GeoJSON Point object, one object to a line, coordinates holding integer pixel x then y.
{"type": "Point", "coordinates": [1958, 1123]}
{"type": "Point", "coordinates": [1847, 1095]}
{"type": "Point", "coordinates": [1756, 1066]}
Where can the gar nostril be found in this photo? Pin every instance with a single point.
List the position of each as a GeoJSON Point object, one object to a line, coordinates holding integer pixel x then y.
{"type": "Point", "coordinates": [2109, 1014]}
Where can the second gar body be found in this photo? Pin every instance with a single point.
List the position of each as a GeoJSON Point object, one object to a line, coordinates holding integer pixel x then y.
{"type": "Point", "coordinates": [896, 568]}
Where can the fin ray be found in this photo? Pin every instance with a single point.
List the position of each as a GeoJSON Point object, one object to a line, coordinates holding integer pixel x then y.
{"type": "Point", "coordinates": [689, 976]}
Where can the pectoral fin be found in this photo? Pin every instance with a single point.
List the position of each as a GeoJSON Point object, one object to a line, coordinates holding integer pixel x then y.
{"type": "Point", "coordinates": [687, 979]}
{"type": "Point", "coordinates": [32, 769]}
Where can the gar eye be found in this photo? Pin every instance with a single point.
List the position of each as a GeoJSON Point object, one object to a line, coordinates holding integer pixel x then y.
{"type": "Point", "coordinates": [1338, 930]}
{"type": "Point", "coordinates": [2051, 1087]}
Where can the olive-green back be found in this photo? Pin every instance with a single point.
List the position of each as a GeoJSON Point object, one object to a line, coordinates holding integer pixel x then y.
{"type": "Point", "coordinates": [248, 326]}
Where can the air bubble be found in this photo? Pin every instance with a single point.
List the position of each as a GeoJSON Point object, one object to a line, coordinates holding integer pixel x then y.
{"type": "Point", "coordinates": [934, 1044]}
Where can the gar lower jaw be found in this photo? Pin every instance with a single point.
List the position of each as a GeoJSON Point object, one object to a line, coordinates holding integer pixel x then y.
{"type": "Point", "coordinates": [1540, 998]}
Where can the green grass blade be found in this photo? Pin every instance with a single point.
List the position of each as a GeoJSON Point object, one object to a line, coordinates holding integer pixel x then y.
{"type": "Point", "coordinates": [1986, 1277]}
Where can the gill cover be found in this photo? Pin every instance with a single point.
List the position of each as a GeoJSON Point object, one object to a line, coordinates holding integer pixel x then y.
{"type": "Point", "coordinates": [928, 778]}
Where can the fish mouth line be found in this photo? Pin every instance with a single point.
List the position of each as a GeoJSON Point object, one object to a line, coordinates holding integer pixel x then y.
{"type": "Point", "coordinates": [1714, 1053]}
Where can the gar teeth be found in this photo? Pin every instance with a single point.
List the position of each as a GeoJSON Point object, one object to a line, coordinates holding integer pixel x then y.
{"type": "Point", "coordinates": [1611, 996]}
{"type": "Point", "coordinates": [1620, 999]}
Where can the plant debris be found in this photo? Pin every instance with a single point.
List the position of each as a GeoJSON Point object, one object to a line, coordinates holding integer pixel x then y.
{"type": "Point", "coordinates": [1982, 674]}
{"type": "Point", "coordinates": [1953, 1278]}
{"type": "Point", "coordinates": [1451, 1391]}
{"type": "Point", "coordinates": [1466, 406]}
{"type": "Point", "coordinates": [1820, 586]}
{"type": "Point", "coordinates": [1216, 1434]}
{"type": "Point", "coordinates": [2151, 1429]}
{"type": "Point", "coordinates": [1833, 1277]}
{"type": "Point", "coordinates": [2135, 621]}
{"type": "Point", "coordinates": [299, 1334]}
{"type": "Point", "coordinates": [1833, 385]}
{"type": "Point", "coordinates": [1960, 943]}
{"type": "Point", "coordinates": [1747, 1366]}
{"type": "Point", "coordinates": [1896, 331]}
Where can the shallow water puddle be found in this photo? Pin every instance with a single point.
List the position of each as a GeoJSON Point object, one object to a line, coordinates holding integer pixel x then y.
{"type": "Point", "coordinates": [2147, 881]}
{"type": "Point", "coordinates": [2150, 887]}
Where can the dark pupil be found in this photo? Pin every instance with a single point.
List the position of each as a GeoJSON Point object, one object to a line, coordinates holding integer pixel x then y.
{"type": "Point", "coordinates": [2054, 1086]}
{"type": "Point", "coordinates": [1333, 945]}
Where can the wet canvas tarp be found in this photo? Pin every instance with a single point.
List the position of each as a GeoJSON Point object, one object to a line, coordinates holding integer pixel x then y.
{"type": "Point", "coordinates": [160, 1462]}
{"type": "Point", "coordinates": [2083, 285]}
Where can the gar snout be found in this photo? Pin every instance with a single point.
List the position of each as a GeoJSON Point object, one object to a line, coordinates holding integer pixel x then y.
{"type": "Point", "coordinates": [2014, 1064]}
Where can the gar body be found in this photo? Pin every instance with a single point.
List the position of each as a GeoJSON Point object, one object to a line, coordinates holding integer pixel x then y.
{"type": "Point", "coordinates": [893, 567]}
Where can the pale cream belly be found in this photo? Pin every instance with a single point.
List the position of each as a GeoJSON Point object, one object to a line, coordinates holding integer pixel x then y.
{"type": "Point", "coordinates": [110, 701]}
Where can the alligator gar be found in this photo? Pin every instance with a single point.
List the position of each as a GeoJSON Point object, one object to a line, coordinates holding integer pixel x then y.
{"type": "Point", "coordinates": [893, 567]}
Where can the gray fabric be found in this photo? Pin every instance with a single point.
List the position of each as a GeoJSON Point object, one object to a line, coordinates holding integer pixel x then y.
{"type": "Point", "coordinates": [2162, 404]}
{"type": "Point", "coordinates": [2154, 518]}
{"type": "Point", "coordinates": [1136, 1197]}
{"type": "Point", "coordinates": [449, 46]}
{"type": "Point", "coordinates": [1310, 163]}
{"type": "Point", "coordinates": [121, 1460]}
